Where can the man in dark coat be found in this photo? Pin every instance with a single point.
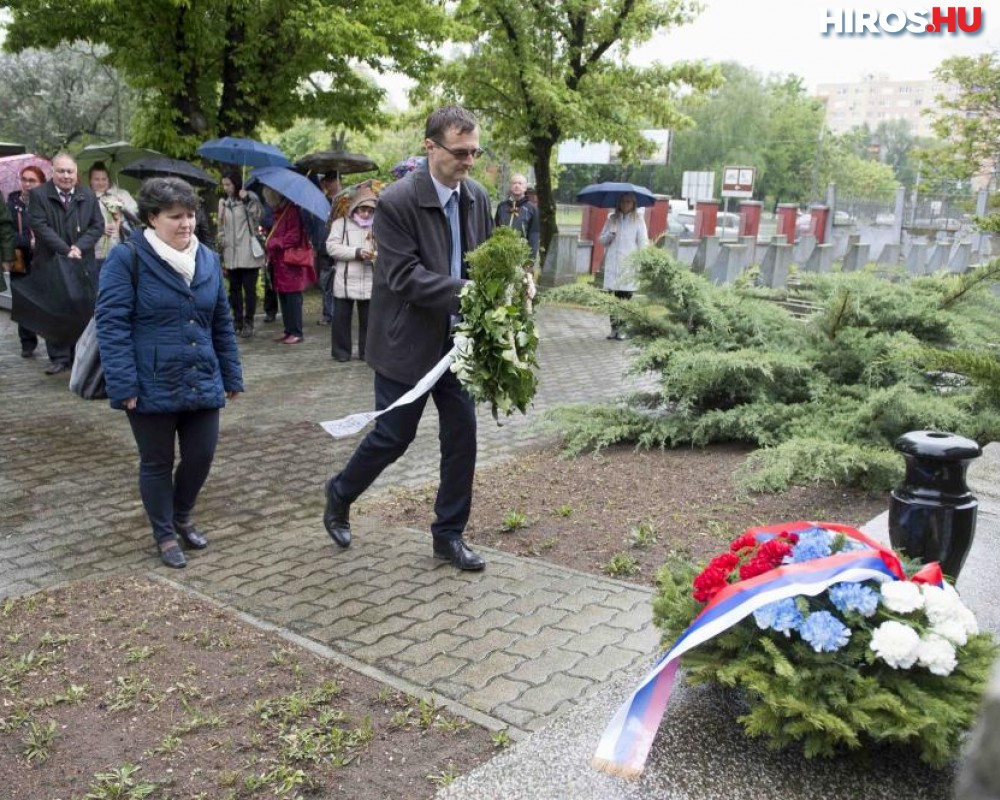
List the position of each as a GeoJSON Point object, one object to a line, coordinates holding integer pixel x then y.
{"type": "Point", "coordinates": [424, 226]}
{"type": "Point", "coordinates": [520, 213]}
{"type": "Point", "coordinates": [66, 220]}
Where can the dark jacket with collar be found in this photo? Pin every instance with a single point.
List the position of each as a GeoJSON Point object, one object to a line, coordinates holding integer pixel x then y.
{"type": "Point", "coordinates": [168, 344]}
{"type": "Point", "coordinates": [523, 217]}
{"type": "Point", "coordinates": [414, 295]}
{"type": "Point", "coordinates": [57, 228]}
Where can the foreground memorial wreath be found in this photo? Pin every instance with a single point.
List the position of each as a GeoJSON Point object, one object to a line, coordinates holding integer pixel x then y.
{"type": "Point", "coordinates": [830, 639]}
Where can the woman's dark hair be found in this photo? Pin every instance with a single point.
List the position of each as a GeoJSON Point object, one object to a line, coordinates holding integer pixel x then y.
{"type": "Point", "coordinates": [36, 171]}
{"type": "Point", "coordinates": [159, 194]}
{"type": "Point", "coordinates": [235, 179]}
{"type": "Point", "coordinates": [98, 166]}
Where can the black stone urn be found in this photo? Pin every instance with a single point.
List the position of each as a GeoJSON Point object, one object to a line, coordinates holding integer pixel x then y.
{"type": "Point", "coordinates": [932, 516]}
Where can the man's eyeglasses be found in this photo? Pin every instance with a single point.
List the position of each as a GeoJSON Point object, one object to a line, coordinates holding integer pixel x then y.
{"type": "Point", "coordinates": [460, 153]}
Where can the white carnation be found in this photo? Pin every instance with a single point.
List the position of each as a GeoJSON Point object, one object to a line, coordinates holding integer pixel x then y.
{"type": "Point", "coordinates": [939, 605]}
{"type": "Point", "coordinates": [937, 654]}
{"type": "Point", "coordinates": [902, 596]}
{"type": "Point", "coordinates": [896, 644]}
{"type": "Point", "coordinates": [952, 630]}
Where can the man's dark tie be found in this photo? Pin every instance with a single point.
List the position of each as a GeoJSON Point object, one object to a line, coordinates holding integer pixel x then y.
{"type": "Point", "coordinates": [65, 196]}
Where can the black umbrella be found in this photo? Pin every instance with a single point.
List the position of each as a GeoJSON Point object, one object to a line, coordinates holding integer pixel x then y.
{"type": "Point", "coordinates": [162, 167]}
{"type": "Point", "coordinates": [57, 299]}
{"type": "Point", "coordinates": [335, 161]}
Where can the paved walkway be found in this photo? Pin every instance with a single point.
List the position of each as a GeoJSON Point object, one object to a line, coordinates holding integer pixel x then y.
{"type": "Point", "coordinates": [507, 647]}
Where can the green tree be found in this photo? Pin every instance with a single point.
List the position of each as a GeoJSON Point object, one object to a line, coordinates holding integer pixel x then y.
{"type": "Point", "coordinates": [55, 99]}
{"type": "Point", "coordinates": [208, 68]}
{"type": "Point", "coordinates": [543, 72]}
{"type": "Point", "coordinates": [970, 122]}
{"type": "Point", "coordinates": [767, 122]}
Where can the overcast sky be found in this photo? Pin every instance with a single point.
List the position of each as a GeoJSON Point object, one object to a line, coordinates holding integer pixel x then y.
{"type": "Point", "coordinates": [784, 36]}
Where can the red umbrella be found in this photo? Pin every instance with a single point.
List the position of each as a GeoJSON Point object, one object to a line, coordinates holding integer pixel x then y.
{"type": "Point", "coordinates": [11, 166]}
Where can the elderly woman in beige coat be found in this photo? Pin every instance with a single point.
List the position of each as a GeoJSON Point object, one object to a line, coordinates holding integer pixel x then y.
{"type": "Point", "coordinates": [351, 245]}
{"type": "Point", "coordinates": [624, 233]}
{"type": "Point", "coordinates": [240, 212]}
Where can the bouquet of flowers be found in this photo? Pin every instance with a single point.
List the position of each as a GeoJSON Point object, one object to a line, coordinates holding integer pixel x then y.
{"type": "Point", "coordinates": [495, 341]}
{"type": "Point", "coordinates": [113, 205]}
{"type": "Point", "coordinates": [832, 640]}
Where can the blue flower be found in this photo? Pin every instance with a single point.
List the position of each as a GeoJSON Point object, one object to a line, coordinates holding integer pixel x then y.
{"type": "Point", "coordinates": [824, 632]}
{"type": "Point", "coordinates": [781, 615]}
{"type": "Point", "coordinates": [812, 544]}
{"type": "Point", "coordinates": [854, 597]}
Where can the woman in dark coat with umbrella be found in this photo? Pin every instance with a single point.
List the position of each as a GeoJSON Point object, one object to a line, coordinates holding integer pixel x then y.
{"type": "Point", "coordinates": [24, 242]}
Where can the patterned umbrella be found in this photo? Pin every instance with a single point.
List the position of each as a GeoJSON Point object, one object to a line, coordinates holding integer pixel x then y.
{"type": "Point", "coordinates": [330, 160]}
{"type": "Point", "coordinates": [11, 166]}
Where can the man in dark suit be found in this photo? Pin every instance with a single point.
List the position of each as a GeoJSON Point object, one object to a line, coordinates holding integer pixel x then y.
{"type": "Point", "coordinates": [66, 220]}
{"type": "Point", "coordinates": [424, 226]}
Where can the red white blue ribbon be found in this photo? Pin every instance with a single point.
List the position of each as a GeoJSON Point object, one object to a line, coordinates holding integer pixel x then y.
{"type": "Point", "coordinates": [628, 738]}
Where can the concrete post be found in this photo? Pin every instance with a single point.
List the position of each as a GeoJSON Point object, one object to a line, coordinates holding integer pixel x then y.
{"type": "Point", "coordinates": [774, 266]}
{"type": "Point", "coordinates": [560, 261]}
{"type": "Point", "coordinates": [961, 258]}
{"type": "Point", "coordinates": [916, 259]}
{"type": "Point", "coordinates": [821, 259]}
{"type": "Point", "coordinates": [708, 251]}
{"type": "Point", "coordinates": [804, 248]}
{"type": "Point", "coordinates": [856, 257]}
{"type": "Point", "coordinates": [897, 220]}
{"type": "Point", "coordinates": [729, 264]}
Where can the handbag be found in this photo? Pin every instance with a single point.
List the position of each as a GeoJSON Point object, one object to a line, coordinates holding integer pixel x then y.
{"type": "Point", "coordinates": [301, 255]}
{"type": "Point", "coordinates": [87, 376]}
{"type": "Point", "coordinates": [20, 264]}
{"type": "Point", "coordinates": [256, 240]}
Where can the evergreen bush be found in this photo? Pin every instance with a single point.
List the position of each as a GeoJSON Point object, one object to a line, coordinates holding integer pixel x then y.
{"type": "Point", "coordinates": [824, 398]}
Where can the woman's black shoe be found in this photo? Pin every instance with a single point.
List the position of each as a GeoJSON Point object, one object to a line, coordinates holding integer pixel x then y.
{"type": "Point", "coordinates": [192, 537]}
{"type": "Point", "coordinates": [171, 555]}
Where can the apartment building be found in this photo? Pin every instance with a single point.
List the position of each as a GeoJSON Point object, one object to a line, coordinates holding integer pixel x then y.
{"type": "Point", "coordinates": [875, 99]}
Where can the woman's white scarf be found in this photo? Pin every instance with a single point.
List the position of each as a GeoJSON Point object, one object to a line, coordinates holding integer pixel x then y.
{"type": "Point", "coordinates": [182, 261]}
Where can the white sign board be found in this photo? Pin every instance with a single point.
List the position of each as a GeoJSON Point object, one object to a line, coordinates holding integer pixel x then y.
{"type": "Point", "coordinates": [697, 186]}
{"type": "Point", "coordinates": [738, 182]}
{"type": "Point", "coordinates": [574, 151]}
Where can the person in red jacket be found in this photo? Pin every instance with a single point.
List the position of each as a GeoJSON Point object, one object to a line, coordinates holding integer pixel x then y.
{"type": "Point", "coordinates": [290, 280]}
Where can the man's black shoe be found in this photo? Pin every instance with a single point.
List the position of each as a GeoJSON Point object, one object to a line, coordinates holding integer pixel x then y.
{"type": "Point", "coordinates": [27, 352]}
{"type": "Point", "coordinates": [56, 367]}
{"type": "Point", "coordinates": [458, 553]}
{"type": "Point", "coordinates": [336, 517]}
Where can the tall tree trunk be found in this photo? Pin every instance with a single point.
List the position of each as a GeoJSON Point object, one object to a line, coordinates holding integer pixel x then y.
{"type": "Point", "coordinates": [541, 155]}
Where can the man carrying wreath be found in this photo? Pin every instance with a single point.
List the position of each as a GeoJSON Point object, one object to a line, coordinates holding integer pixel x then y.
{"type": "Point", "coordinates": [424, 226]}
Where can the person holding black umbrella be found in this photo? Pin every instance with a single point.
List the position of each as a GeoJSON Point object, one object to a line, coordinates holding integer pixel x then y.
{"type": "Point", "coordinates": [240, 212]}
{"type": "Point", "coordinates": [66, 220]}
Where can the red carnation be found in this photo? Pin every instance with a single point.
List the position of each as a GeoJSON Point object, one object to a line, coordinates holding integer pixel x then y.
{"type": "Point", "coordinates": [715, 577]}
{"type": "Point", "coordinates": [743, 542]}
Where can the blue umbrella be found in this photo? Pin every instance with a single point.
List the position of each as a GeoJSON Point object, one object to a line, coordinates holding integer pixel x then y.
{"type": "Point", "coordinates": [244, 152]}
{"type": "Point", "coordinates": [606, 195]}
{"type": "Point", "coordinates": [296, 187]}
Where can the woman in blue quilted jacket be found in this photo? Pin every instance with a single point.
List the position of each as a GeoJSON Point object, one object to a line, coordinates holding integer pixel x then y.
{"type": "Point", "coordinates": [170, 356]}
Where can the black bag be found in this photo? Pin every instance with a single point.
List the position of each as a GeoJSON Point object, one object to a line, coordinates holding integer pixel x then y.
{"type": "Point", "coordinates": [87, 376]}
{"type": "Point", "coordinates": [56, 300]}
